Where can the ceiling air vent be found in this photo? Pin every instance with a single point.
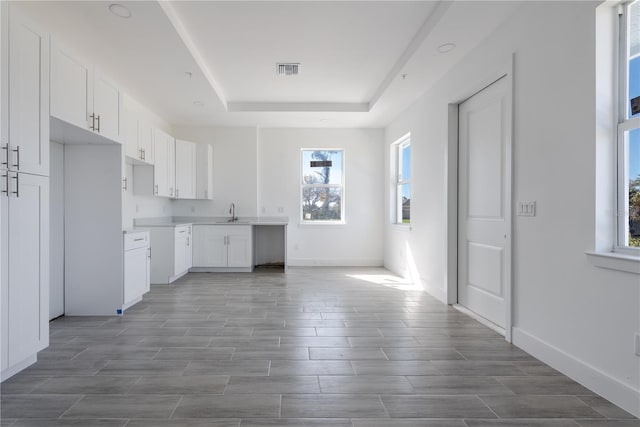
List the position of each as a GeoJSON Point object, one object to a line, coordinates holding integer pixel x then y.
{"type": "Point", "coordinates": [288, 69]}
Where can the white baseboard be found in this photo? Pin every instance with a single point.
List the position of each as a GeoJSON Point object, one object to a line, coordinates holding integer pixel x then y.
{"type": "Point", "coordinates": [624, 395]}
{"type": "Point", "coordinates": [9, 372]}
{"type": "Point", "coordinates": [334, 262]}
{"type": "Point", "coordinates": [437, 292]}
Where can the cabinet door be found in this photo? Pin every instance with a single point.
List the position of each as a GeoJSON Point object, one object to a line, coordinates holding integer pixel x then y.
{"type": "Point", "coordinates": [180, 255]}
{"type": "Point", "coordinates": [161, 167]}
{"type": "Point", "coordinates": [131, 135]}
{"type": "Point", "coordinates": [4, 272]}
{"type": "Point", "coordinates": [204, 171]}
{"type": "Point", "coordinates": [145, 141]}
{"type": "Point", "coordinates": [189, 250]}
{"type": "Point", "coordinates": [107, 105]}
{"type": "Point", "coordinates": [135, 273]}
{"type": "Point", "coordinates": [185, 169]}
{"type": "Point", "coordinates": [28, 266]}
{"type": "Point", "coordinates": [171, 165]}
{"type": "Point", "coordinates": [240, 247]}
{"type": "Point", "coordinates": [28, 121]}
{"type": "Point", "coordinates": [209, 246]}
{"type": "Point", "coordinates": [70, 79]}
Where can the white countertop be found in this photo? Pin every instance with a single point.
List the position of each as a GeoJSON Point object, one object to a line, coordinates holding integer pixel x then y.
{"type": "Point", "coordinates": [178, 221]}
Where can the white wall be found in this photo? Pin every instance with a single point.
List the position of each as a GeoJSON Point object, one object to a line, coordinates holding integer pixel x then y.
{"type": "Point", "coordinates": [579, 318]}
{"type": "Point", "coordinates": [234, 171]}
{"type": "Point", "coordinates": [56, 230]}
{"type": "Point", "coordinates": [359, 241]}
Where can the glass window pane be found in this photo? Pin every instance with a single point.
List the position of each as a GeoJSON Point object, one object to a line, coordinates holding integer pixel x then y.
{"type": "Point", "coordinates": [322, 167]}
{"type": "Point", "coordinates": [321, 204]}
{"type": "Point", "coordinates": [634, 53]}
{"type": "Point", "coordinates": [405, 173]}
{"type": "Point", "coordinates": [633, 177]}
{"type": "Point", "coordinates": [405, 199]}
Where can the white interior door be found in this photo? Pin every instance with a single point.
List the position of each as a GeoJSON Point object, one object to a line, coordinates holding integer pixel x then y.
{"type": "Point", "coordinates": [484, 214]}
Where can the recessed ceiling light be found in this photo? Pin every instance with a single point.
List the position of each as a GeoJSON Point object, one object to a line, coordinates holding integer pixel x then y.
{"type": "Point", "coordinates": [198, 103]}
{"type": "Point", "coordinates": [447, 47]}
{"type": "Point", "coordinates": [120, 10]}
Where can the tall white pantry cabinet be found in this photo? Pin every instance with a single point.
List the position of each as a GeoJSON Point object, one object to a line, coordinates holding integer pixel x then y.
{"type": "Point", "coordinates": [24, 186]}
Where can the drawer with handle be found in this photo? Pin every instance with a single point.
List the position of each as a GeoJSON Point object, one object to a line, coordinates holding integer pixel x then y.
{"type": "Point", "coordinates": [136, 240]}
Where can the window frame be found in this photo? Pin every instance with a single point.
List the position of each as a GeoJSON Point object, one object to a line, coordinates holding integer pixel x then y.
{"type": "Point", "coordinates": [399, 180]}
{"type": "Point", "coordinates": [625, 124]}
{"type": "Point", "coordinates": [341, 186]}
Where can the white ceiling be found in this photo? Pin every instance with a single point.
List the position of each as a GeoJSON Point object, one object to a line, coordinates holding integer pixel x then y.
{"type": "Point", "coordinates": [352, 54]}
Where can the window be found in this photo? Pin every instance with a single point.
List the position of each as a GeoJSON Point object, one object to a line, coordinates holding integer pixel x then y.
{"type": "Point", "coordinates": [323, 186]}
{"type": "Point", "coordinates": [402, 152]}
{"type": "Point", "coordinates": [629, 129]}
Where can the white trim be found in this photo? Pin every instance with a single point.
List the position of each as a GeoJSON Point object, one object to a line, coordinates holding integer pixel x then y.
{"type": "Point", "coordinates": [622, 394]}
{"type": "Point", "coordinates": [505, 71]}
{"type": "Point", "coordinates": [341, 186]}
{"type": "Point", "coordinates": [615, 261]}
{"type": "Point", "coordinates": [20, 366]}
{"type": "Point", "coordinates": [335, 262]}
{"type": "Point", "coordinates": [479, 319]}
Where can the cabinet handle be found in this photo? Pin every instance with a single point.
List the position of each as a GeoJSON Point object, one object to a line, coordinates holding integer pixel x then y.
{"type": "Point", "coordinates": [187, 241]}
{"type": "Point", "coordinates": [17, 163]}
{"type": "Point", "coordinates": [17, 178]}
{"type": "Point", "coordinates": [93, 122]}
{"type": "Point", "coordinates": [177, 192]}
{"type": "Point", "coordinates": [149, 252]}
{"type": "Point", "coordinates": [140, 153]}
{"type": "Point", "coordinates": [6, 152]}
{"type": "Point", "coordinates": [98, 120]}
{"type": "Point", "coordinates": [138, 239]}
{"type": "Point", "coordinates": [144, 155]}
{"type": "Point", "coordinates": [155, 190]}
{"type": "Point", "coordinates": [6, 184]}
{"type": "Point", "coordinates": [124, 182]}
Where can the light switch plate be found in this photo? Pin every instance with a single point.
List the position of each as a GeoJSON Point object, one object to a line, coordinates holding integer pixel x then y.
{"type": "Point", "coordinates": [527, 208]}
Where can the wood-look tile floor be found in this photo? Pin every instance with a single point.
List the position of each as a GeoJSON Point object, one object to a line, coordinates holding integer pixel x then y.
{"type": "Point", "coordinates": [312, 347]}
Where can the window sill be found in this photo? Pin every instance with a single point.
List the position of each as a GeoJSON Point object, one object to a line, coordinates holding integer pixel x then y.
{"type": "Point", "coordinates": [321, 224]}
{"type": "Point", "coordinates": [615, 261]}
{"type": "Point", "coordinates": [402, 227]}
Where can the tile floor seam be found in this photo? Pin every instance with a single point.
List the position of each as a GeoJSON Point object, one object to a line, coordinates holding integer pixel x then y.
{"type": "Point", "coordinates": [72, 405]}
{"type": "Point", "coordinates": [176, 407]}
{"type": "Point", "coordinates": [489, 407]}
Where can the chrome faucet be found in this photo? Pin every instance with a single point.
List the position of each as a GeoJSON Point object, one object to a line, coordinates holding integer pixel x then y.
{"type": "Point", "coordinates": [232, 211]}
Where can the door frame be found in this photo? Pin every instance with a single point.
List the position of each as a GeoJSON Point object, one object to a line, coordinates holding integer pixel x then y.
{"type": "Point", "coordinates": [506, 71]}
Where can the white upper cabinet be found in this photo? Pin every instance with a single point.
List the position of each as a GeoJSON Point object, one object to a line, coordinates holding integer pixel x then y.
{"type": "Point", "coordinates": [107, 104]}
{"type": "Point", "coordinates": [138, 137]}
{"type": "Point", "coordinates": [185, 170]}
{"type": "Point", "coordinates": [83, 97]}
{"type": "Point", "coordinates": [204, 172]}
{"type": "Point", "coordinates": [25, 107]}
{"type": "Point", "coordinates": [70, 81]}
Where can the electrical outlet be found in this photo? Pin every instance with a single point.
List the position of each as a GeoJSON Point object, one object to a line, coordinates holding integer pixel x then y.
{"type": "Point", "coordinates": [637, 344]}
{"type": "Point", "coordinates": [280, 209]}
{"type": "Point", "coordinates": [526, 208]}
{"type": "Point", "coordinates": [193, 208]}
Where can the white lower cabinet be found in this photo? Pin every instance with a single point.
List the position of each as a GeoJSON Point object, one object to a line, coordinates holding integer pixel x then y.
{"type": "Point", "coordinates": [25, 269]}
{"type": "Point", "coordinates": [137, 267]}
{"type": "Point", "coordinates": [172, 252]}
{"type": "Point", "coordinates": [223, 247]}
